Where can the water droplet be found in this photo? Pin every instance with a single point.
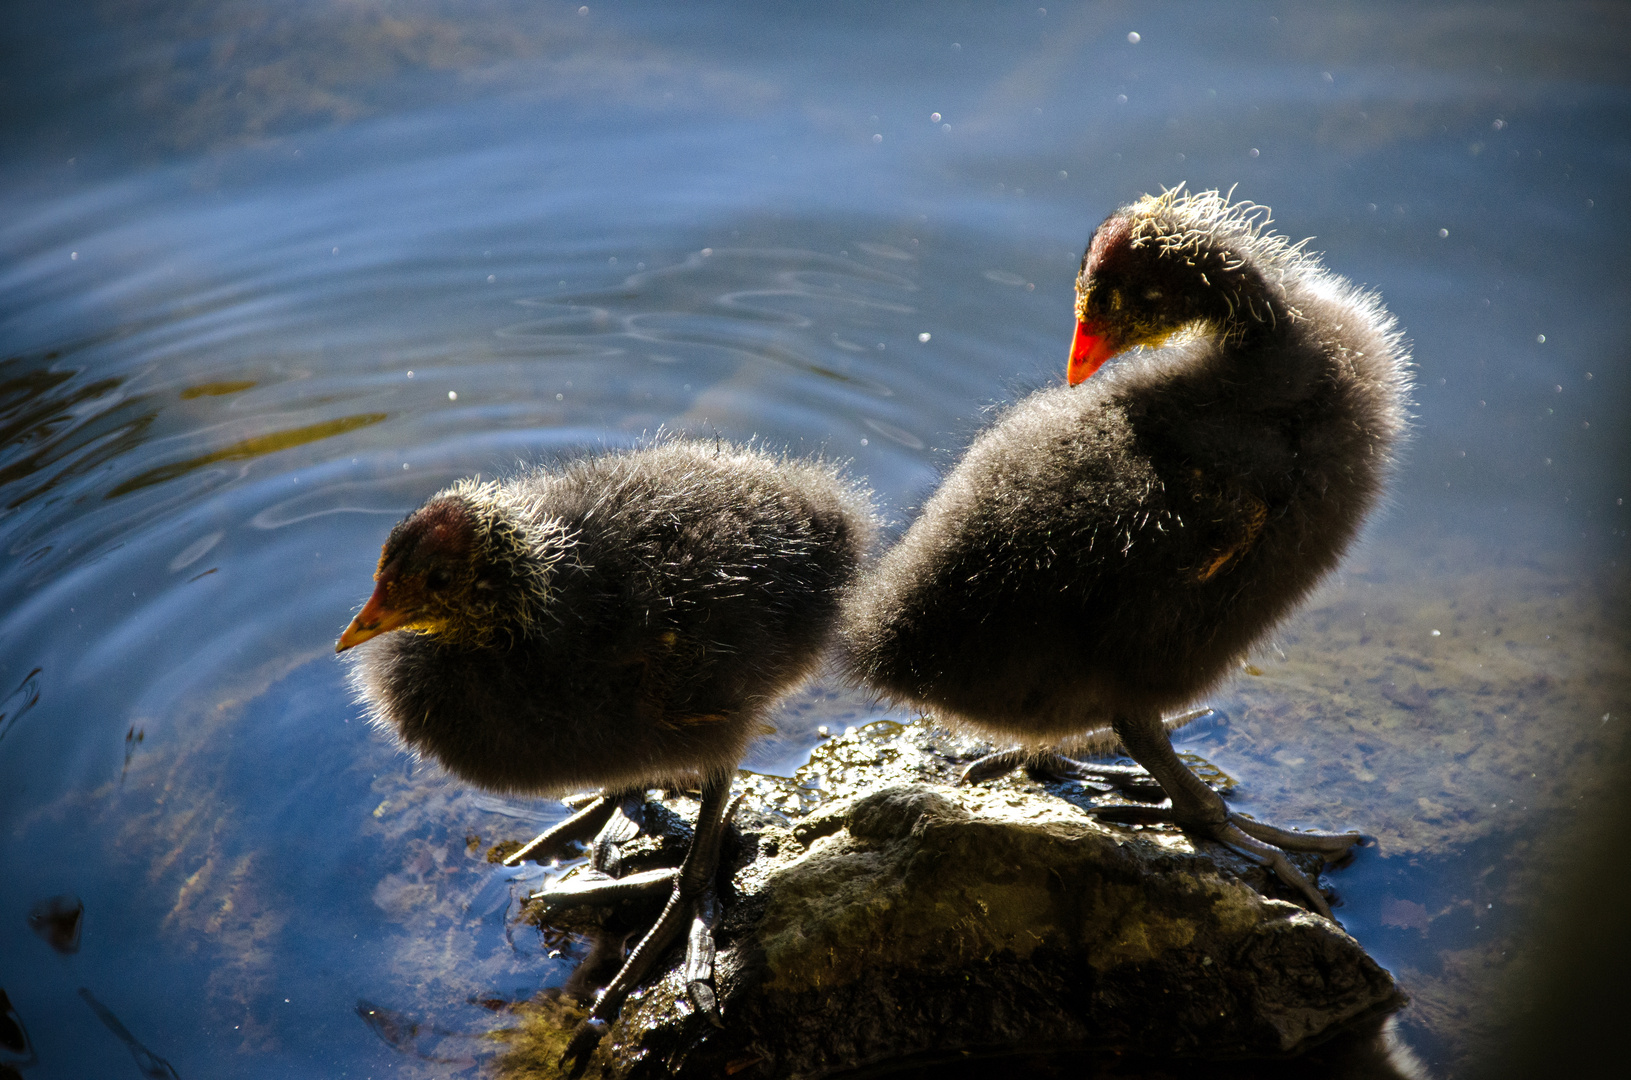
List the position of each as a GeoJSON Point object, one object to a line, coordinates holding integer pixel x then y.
{"type": "Point", "coordinates": [1133, 38]}
{"type": "Point", "coordinates": [923, 336]}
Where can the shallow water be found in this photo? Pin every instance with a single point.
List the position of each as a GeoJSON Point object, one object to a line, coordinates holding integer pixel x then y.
{"type": "Point", "coordinates": [272, 276]}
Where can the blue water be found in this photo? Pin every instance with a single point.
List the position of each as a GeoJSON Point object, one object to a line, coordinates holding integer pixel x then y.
{"type": "Point", "coordinates": [270, 275]}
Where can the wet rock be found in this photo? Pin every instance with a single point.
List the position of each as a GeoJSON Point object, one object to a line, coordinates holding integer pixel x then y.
{"type": "Point", "coordinates": [914, 921]}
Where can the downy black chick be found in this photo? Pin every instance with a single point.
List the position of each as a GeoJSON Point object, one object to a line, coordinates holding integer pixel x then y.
{"type": "Point", "coordinates": [1106, 552]}
{"type": "Point", "coordinates": [624, 621]}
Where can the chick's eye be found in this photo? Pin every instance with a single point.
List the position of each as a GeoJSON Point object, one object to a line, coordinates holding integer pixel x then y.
{"type": "Point", "coordinates": [436, 581]}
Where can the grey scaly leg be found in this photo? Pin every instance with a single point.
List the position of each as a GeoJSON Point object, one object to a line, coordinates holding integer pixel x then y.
{"type": "Point", "coordinates": [694, 901]}
{"type": "Point", "coordinates": [578, 828]}
{"type": "Point", "coordinates": [1196, 807]}
{"type": "Point", "coordinates": [1049, 765]}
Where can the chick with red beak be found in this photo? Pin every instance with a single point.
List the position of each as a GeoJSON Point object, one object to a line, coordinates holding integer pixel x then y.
{"type": "Point", "coordinates": [1104, 554]}
{"type": "Point", "coordinates": [1088, 352]}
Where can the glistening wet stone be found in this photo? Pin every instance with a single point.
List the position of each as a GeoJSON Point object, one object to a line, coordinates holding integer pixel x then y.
{"type": "Point", "coordinates": [913, 919]}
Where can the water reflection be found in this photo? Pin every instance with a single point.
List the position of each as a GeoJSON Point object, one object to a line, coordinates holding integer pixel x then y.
{"type": "Point", "coordinates": [55, 422]}
{"type": "Point", "coordinates": [57, 921]}
{"type": "Point", "coordinates": [244, 449]}
{"type": "Point", "coordinates": [217, 389]}
{"type": "Point", "coordinates": [147, 1062]}
{"type": "Point", "coordinates": [273, 279]}
{"type": "Point", "coordinates": [19, 701]}
{"type": "Point", "coordinates": [407, 1036]}
{"type": "Point", "coordinates": [701, 313]}
{"type": "Point", "coordinates": [15, 1047]}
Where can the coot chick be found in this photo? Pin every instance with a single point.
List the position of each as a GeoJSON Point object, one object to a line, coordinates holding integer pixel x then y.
{"type": "Point", "coordinates": [1107, 552]}
{"type": "Point", "coordinates": [623, 621]}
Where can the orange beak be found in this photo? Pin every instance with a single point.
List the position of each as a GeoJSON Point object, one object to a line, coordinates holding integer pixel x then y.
{"type": "Point", "coordinates": [1088, 352]}
{"type": "Point", "coordinates": [375, 618]}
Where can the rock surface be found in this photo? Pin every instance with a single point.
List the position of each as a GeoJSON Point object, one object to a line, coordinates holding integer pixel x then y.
{"type": "Point", "coordinates": [913, 921]}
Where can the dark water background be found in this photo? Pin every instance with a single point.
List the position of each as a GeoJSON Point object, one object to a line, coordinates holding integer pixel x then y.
{"type": "Point", "coordinates": [270, 274]}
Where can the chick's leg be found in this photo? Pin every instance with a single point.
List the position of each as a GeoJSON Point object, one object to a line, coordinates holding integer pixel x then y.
{"type": "Point", "coordinates": [1196, 807]}
{"type": "Point", "coordinates": [628, 818]}
{"type": "Point", "coordinates": [611, 817]}
{"type": "Point", "coordinates": [1048, 765]}
{"type": "Point", "coordinates": [693, 904]}
{"type": "Point", "coordinates": [598, 884]}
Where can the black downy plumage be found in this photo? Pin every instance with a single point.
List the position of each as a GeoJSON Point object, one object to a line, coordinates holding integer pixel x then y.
{"type": "Point", "coordinates": [622, 622]}
{"type": "Point", "coordinates": [1106, 552]}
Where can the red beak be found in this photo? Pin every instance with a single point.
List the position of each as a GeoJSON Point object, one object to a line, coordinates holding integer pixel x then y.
{"type": "Point", "coordinates": [1088, 352]}
{"type": "Point", "coordinates": [374, 619]}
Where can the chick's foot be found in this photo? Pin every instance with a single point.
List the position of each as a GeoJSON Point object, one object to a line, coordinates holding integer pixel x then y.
{"type": "Point", "coordinates": [1196, 808]}
{"type": "Point", "coordinates": [1050, 766]}
{"type": "Point", "coordinates": [693, 907]}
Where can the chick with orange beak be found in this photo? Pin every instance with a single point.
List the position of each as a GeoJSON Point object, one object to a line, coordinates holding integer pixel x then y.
{"type": "Point", "coordinates": [1106, 551]}
{"type": "Point", "coordinates": [622, 622]}
{"type": "Point", "coordinates": [422, 561]}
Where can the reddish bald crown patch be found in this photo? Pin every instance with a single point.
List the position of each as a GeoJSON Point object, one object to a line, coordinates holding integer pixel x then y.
{"type": "Point", "coordinates": [446, 530]}
{"type": "Point", "coordinates": [1110, 244]}
{"type": "Point", "coordinates": [442, 533]}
